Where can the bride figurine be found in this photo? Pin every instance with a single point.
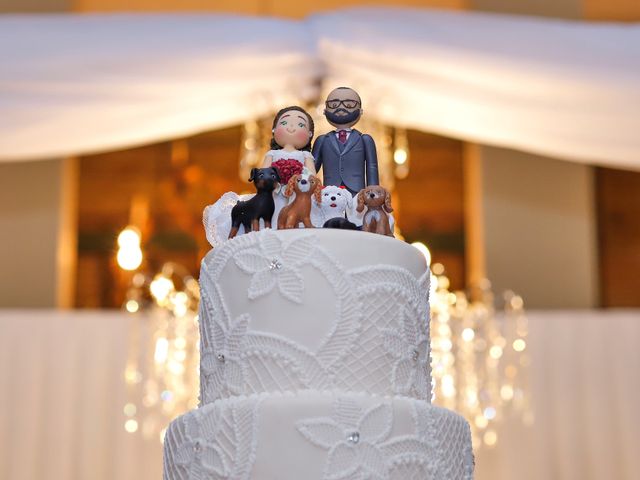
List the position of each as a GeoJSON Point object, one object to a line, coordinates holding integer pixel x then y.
{"type": "Point", "coordinates": [290, 154]}
{"type": "Point", "coordinates": [291, 138]}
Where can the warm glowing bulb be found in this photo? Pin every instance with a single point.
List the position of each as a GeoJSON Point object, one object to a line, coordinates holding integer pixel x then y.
{"type": "Point", "coordinates": [129, 257]}
{"type": "Point", "coordinates": [506, 392]}
{"type": "Point", "coordinates": [181, 297]}
{"type": "Point", "coordinates": [468, 334]}
{"type": "Point", "coordinates": [422, 248]}
{"type": "Point", "coordinates": [495, 352]}
{"type": "Point", "coordinates": [131, 425]}
{"type": "Point", "coordinates": [519, 345]}
{"type": "Point", "coordinates": [129, 237]}
{"type": "Point", "coordinates": [444, 330]}
{"type": "Point", "coordinates": [132, 306]}
{"type": "Point", "coordinates": [161, 287]}
{"type": "Point", "coordinates": [481, 421]}
{"type": "Point", "coordinates": [490, 438]}
{"type": "Point", "coordinates": [448, 391]}
{"type": "Point", "coordinates": [400, 156]}
{"type": "Point", "coordinates": [162, 350]}
{"type": "Point", "coordinates": [131, 375]}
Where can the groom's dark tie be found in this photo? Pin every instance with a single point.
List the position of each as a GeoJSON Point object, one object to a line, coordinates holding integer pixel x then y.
{"type": "Point", "coordinates": [342, 136]}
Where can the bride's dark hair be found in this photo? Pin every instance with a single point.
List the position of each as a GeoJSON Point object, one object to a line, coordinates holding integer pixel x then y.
{"type": "Point", "coordinates": [274, 145]}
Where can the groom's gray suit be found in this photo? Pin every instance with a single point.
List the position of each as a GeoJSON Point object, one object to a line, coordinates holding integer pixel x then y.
{"type": "Point", "coordinates": [353, 164]}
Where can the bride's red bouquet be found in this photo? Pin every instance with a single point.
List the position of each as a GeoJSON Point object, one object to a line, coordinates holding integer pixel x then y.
{"type": "Point", "coordinates": [287, 168]}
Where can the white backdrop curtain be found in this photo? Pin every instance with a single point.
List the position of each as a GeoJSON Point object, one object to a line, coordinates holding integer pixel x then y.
{"type": "Point", "coordinates": [560, 88]}
{"type": "Point", "coordinates": [61, 417]}
{"type": "Point", "coordinates": [76, 84]}
{"type": "Point", "coordinates": [73, 84]}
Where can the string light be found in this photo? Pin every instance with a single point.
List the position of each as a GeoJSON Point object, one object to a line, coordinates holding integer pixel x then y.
{"type": "Point", "coordinates": [129, 254]}
{"type": "Point", "coordinates": [162, 369]}
{"type": "Point", "coordinates": [474, 373]}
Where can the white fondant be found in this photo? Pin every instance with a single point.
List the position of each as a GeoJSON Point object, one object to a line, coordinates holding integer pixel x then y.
{"type": "Point", "coordinates": [323, 436]}
{"type": "Point", "coordinates": [315, 365]}
{"type": "Point", "coordinates": [318, 304]}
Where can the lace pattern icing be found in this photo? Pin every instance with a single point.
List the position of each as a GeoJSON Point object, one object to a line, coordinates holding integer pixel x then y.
{"type": "Point", "coordinates": [377, 343]}
{"type": "Point", "coordinates": [359, 444]}
{"type": "Point", "coordinates": [214, 443]}
{"type": "Point", "coordinates": [219, 441]}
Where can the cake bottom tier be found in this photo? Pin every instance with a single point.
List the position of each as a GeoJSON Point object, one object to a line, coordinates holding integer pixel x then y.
{"type": "Point", "coordinates": [318, 435]}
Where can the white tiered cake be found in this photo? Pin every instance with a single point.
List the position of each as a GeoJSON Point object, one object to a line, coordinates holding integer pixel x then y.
{"type": "Point", "coordinates": [315, 365]}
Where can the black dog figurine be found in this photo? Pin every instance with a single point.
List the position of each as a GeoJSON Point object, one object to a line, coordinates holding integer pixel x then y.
{"type": "Point", "coordinates": [341, 223]}
{"type": "Point", "coordinates": [248, 213]}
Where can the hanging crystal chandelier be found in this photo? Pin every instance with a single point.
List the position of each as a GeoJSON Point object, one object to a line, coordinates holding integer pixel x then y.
{"type": "Point", "coordinates": [479, 357]}
{"type": "Point", "coordinates": [162, 373]}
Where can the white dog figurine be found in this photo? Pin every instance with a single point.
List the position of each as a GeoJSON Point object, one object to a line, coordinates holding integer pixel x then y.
{"type": "Point", "coordinates": [334, 202]}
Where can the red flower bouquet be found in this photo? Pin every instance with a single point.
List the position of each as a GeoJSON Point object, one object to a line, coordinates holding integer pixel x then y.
{"type": "Point", "coordinates": [287, 168]}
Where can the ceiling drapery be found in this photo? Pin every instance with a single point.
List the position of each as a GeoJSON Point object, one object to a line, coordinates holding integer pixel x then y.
{"type": "Point", "coordinates": [72, 84]}
{"type": "Point", "coordinates": [569, 90]}
{"type": "Point", "coordinates": [79, 84]}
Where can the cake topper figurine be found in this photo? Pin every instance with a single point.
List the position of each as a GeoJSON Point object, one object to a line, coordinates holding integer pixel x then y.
{"type": "Point", "coordinates": [378, 202]}
{"type": "Point", "coordinates": [248, 213]}
{"type": "Point", "coordinates": [335, 202]}
{"type": "Point", "coordinates": [291, 143]}
{"type": "Point", "coordinates": [348, 158]}
{"type": "Point", "coordinates": [305, 187]}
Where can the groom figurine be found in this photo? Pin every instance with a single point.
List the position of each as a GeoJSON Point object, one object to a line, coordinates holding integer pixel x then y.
{"type": "Point", "coordinates": [348, 158]}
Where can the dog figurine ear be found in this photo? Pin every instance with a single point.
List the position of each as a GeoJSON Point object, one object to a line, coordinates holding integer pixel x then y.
{"type": "Point", "coordinates": [275, 170]}
{"type": "Point", "coordinates": [360, 206]}
{"type": "Point", "coordinates": [252, 176]}
{"type": "Point", "coordinates": [291, 186]}
{"type": "Point", "coordinates": [317, 193]}
{"type": "Point", "coordinates": [387, 202]}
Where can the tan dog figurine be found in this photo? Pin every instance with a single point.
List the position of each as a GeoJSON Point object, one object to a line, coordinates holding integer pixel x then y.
{"type": "Point", "coordinates": [305, 187]}
{"type": "Point", "coordinates": [378, 202]}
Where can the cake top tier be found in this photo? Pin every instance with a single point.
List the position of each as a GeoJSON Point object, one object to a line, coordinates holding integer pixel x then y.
{"type": "Point", "coordinates": [314, 309]}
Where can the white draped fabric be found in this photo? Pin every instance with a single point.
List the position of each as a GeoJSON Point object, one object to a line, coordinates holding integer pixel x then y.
{"type": "Point", "coordinates": [73, 84]}
{"type": "Point", "coordinates": [76, 84]}
{"type": "Point", "coordinates": [61, 418]}
{"type": "Point", "coordinates": [568, 90]}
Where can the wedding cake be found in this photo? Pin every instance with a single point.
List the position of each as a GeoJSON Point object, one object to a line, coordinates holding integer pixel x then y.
{"type": "Point", "coordinates": [315, 365]}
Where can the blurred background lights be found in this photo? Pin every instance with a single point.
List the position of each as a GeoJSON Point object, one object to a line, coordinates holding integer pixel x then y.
{"type": "Point", "coordinates": [132, 306]}
{"type": "Point", "coordinates": [130, 409]}
{"type": "Point", "coordinates": [400, 156]}
{"type": "Point", "coordinates": [490, 438]}
{"type": "Point", "coordinates": [468, 334]}
{"type": "Point", "coordinates": [160, 287]}
{"type": "Point", "coordinates": [519, 345]}
{"type": "Point", "coordinates": [131, 425]}
{"type": "Point", "coordinates": [129, 254]}
{"type": "Point", "coordinates": [478, 356]}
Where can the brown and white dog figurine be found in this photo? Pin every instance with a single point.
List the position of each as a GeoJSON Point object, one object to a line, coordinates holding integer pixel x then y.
{"type": "Point", "coordinates": [378, 202]}
{"type": "Point", "coordinates": [299, 210]}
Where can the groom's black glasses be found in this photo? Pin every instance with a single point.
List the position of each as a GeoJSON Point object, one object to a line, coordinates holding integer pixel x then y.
{"type": "Point", "coordinates": [345, 103]}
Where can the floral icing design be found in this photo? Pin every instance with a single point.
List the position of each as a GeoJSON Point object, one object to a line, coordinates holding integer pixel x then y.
{"type": "Point", "coordinates": [222, 362]}
{"type": "Point", "coordinates": [276, 263]}
{"type": "Point", "coordinates": [354, 440]}
{"type": "Point", "coordinates": [197, 454]}
{"type": "Point", "coordinates": [410, 349]}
